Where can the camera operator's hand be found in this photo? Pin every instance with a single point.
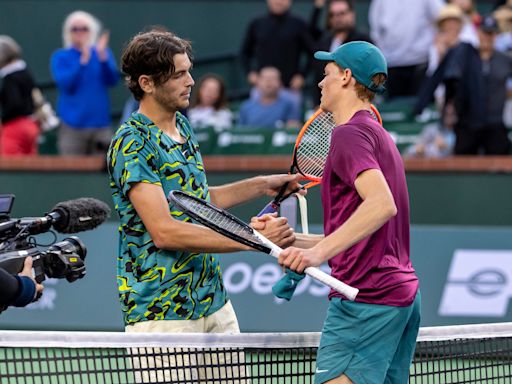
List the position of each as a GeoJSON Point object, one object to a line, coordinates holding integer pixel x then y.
{"type": "Point", "coordinates": [27, 271]}
{"type": "Point", "coordinates": [21, 289]}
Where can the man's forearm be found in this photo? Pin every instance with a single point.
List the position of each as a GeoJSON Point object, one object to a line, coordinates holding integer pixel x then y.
{"type": "Point", "coordinates": [307, 240]}
{"type": "Point", "coordinates": [189, 237]}
{"type": "Point", "coordinates": [229, 195]}
{"type": "Point", "coordinates": [368, 218]}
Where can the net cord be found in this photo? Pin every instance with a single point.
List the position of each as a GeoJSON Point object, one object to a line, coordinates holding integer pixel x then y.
{"type": "Point", "coordinates": [64, 339]}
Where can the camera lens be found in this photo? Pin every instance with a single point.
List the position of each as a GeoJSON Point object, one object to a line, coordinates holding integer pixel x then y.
{"type": "Point", "coordinates": [66, 259]}
{"type": "Point", "coordinates": [70, 244]}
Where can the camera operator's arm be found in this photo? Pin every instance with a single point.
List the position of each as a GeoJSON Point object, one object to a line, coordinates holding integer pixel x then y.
{"type": "Point", "coordinates": [19, 290]}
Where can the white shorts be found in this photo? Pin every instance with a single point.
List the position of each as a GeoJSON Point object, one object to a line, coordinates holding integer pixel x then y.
{"type": "Point", "coordinates": [183, 365]}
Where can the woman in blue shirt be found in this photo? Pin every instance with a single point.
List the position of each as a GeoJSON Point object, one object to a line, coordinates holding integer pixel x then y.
{"type": "Point", "coordinates": [83, 71]}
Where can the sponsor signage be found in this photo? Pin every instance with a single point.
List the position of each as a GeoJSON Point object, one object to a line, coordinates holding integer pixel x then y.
{"type": "Point", "coordinates": [479, 283]}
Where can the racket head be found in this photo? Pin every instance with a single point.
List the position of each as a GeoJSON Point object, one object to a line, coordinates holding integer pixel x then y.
{"type": "Point", "coordinates": [376, 114]}
{"type": "Point", "coordinates": [312, 145]}
{"type": "Point", "coordinates": [314, 141]}
{"type": "Point", "coordinates": [217, 219]}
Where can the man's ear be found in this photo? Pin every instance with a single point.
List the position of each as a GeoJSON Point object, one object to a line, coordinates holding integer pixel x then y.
{"type": "Point", "coordinates": [347, 74]}
{"type": "Point", "coordinates": [146, 83]}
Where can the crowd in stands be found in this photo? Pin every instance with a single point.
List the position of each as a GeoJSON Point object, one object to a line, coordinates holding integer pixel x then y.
{"type": "Point", "coordinates": [441, 54]}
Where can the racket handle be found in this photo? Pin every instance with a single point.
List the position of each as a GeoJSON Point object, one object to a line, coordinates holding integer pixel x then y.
{"type": "Point", "coordinates": [339, 286]}
{"type": "Point", "coordinates": [269, 208]}
{"type": "Point", "coordinates": [316, 273]}
{"type": "Point", "coordinates": [274, 205]}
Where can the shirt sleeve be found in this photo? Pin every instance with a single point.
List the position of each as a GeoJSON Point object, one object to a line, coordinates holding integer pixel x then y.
{"type": "Point", "coordinates": [66, 69]}
{"type": "Point", "coordinates": [9, 287]}
{"type": "Point", "coordinates": [134, 160]}
{"type": "Point", "coordinates": [352, 152]}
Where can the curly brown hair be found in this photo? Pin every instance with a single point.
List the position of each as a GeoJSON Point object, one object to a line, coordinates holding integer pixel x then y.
{"type": "Point", "coordinates": [151, 54]}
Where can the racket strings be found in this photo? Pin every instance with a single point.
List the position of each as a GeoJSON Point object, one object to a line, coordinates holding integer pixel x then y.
{"type": "Point", "coordinates": [314, 146]}
{"type": "Point", "coordinates": [207, 213]}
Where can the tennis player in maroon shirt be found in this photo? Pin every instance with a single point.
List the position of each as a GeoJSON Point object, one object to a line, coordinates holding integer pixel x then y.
{"type": "Point", "coordinates": [366, 225]}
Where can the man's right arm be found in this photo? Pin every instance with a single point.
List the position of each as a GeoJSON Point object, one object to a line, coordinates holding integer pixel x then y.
{"type": "Point", "coordinates": [167, 233]}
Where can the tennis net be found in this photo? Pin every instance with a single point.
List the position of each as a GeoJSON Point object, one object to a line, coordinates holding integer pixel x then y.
{"type": "Point", "coordinates": [454, 354]}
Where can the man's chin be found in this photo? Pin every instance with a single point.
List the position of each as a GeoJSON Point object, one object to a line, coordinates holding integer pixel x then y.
{"type": "Point", "coordinates": [323, 107]}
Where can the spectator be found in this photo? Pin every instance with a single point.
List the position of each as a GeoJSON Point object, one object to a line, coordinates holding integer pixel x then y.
{"type": "Point", "coordinates": [471, 18]}
{"type": "Point", "coordinates": [340, 28]}
{"type": "Point", "coordinates": [503, 16]}
{"type": "Point", "coordinates": [271, 109]}
{"type": "Point", "coordinates": [282, 40]}
{"type": "Point", "coordinates": [19, 133]}
{"type": "Point", "coordinates": [404, 31]}
{"type": "Point", "coordinates": [449, 26]}
{"type": "Point", "coordinates": [83, 71]}
{"type": "Point", "coordinates": [476, 84]}
{"type": "Point", "coordinates": [437, 138]}
{"type": "Point", "coordinates": [209, 104]}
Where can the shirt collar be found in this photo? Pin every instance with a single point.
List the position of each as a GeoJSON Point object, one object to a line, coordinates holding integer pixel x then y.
{"type": "Point", "coordinates": [15, 66]}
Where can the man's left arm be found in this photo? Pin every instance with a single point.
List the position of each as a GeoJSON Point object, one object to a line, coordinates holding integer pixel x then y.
{"type": "Point", "coordinates": [377, 207]}
{"type": "Point", "coordinates": [232, 194]}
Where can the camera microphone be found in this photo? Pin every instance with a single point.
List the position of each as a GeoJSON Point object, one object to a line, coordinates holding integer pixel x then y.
{"type": "Point", "coordinates": [71, 216]}
{"type": "Point", "coordinates": [79, 215]}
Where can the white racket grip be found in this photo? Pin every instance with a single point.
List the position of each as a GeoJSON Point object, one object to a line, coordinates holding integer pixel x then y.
{"type": "Point", "coordinates": [303, 208]}
{"type": "Point", "coordinates": [316, 273]}
{"type": "Point", "coordinates": [274, 249]}
{"type": "Point", "coordinates": [345, 289]}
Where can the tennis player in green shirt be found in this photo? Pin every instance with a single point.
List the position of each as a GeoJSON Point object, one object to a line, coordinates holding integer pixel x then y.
{"type": "Point", "coordinates": [168, 278]}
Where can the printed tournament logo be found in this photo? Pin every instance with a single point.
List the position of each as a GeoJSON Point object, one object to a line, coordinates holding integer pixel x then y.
{"type": "Point", "coordinates": [479, 284]}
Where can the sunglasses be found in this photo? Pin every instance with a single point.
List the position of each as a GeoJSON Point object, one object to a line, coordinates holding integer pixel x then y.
{"type": "Point", "coordinates": [341, 13]}
{"type": "Point", "coordinates": [79, 29]}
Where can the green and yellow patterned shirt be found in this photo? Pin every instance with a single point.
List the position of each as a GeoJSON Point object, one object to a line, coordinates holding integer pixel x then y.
{"type": "Point", "coordinates": [157, 284]}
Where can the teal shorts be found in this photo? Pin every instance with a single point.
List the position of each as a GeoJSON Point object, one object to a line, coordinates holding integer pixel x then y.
{"type": "Point", "coordinates": [369, 343]}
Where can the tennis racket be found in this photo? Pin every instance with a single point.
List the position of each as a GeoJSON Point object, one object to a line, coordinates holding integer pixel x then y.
{"type": "Point", "coordinates": [310, 153]}
{"type": "Point", "coordinates": [232, 227]}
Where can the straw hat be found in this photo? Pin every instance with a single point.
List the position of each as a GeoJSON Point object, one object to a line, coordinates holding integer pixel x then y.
{"type": "Point", "coordinates": [449, 11]}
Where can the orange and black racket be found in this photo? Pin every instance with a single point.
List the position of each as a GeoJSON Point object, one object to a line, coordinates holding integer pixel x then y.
{"type": "Point", "coordinates": [310, 153]}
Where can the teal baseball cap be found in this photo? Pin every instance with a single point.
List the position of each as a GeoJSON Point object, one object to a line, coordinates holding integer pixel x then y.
{"type": "Point", "coordinates": [365, 60]}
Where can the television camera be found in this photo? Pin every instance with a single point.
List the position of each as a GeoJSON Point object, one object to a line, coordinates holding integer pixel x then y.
{"type": "Point", "coordinates": [64, 259]}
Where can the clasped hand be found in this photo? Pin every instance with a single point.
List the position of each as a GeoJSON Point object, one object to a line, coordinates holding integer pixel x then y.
{"type": "Point", "coordinates": [274, 228]}
{"type": "Point", "coordinates": [296, 259]}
